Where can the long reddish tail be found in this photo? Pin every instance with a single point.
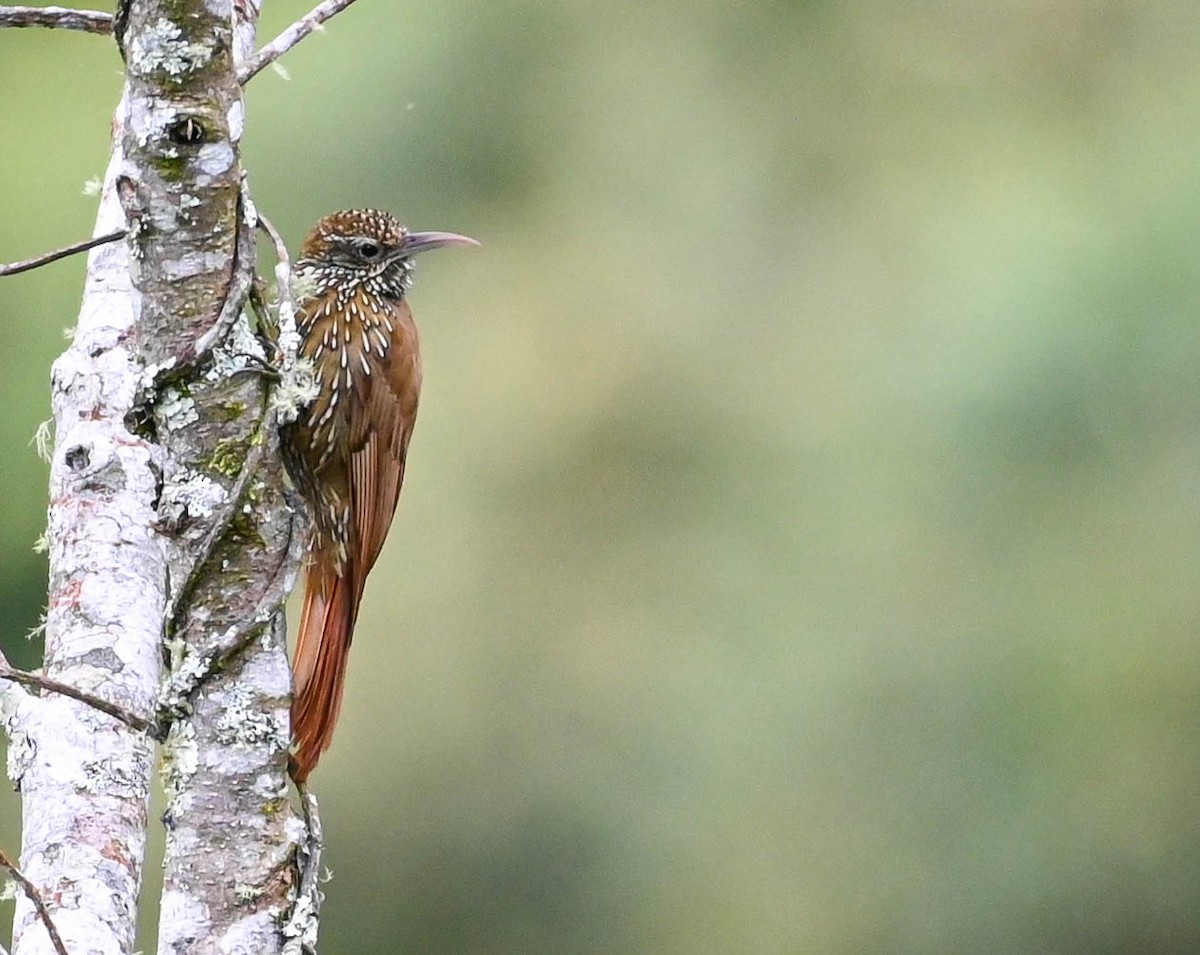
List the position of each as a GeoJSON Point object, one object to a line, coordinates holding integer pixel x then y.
{"type": "Point", "coordinates": [319, 664]}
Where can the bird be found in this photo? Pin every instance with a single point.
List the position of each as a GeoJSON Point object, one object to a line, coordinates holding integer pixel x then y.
{"type": "Point", "coordinates": [347, 448]}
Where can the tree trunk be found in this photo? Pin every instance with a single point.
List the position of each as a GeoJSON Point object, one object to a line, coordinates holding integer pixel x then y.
{"type": "Point", "coordinates": [172, 546]}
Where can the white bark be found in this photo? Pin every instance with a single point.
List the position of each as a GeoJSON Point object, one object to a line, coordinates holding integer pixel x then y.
{"type": "Point", "coordinates": [170, 539]}
{"type": "Point", "coordinates": [85, 777]}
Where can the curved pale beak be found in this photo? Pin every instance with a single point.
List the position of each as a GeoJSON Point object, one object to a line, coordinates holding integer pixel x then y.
{"type": "Point", "coordinates": [416, 242]}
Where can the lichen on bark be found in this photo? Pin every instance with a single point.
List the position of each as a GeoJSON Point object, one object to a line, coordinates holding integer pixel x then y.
{"type": "Point", "coordinates": [165, 593]}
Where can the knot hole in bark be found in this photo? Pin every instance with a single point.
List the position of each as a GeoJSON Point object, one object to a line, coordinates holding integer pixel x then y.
{"type": "Point", "coordinates": [78, 457]}
{"type": "Point", "coordinates": [187, 131]}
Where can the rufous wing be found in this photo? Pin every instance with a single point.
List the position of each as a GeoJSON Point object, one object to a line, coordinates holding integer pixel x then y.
{"type": "Point", "coordinates": [381, 422]}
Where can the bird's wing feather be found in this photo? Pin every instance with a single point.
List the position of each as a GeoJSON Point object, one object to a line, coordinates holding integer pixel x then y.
{"type": "Point", "coordinates": [380, 424]}
{"type": "Point", "coordinates": [380, 437]}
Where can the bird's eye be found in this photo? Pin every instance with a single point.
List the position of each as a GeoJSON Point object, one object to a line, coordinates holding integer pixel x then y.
{"type": "Point", "coordinates": [368, 250]}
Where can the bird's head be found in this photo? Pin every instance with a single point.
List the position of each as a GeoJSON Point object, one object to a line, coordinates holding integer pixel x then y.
{"type": "Point", "coordinates": [367, 247]}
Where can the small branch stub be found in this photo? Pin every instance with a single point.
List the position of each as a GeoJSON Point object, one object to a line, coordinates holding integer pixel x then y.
{"type": "Point", "coordinates": [26, 265]}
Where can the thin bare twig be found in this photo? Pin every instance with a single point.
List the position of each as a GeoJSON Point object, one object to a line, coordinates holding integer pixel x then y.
{"type": "Point", "coordinates": [288, 342]}
{"type": "Point", "coordinates": [248, 68]}
{"type": "Point", "coordinates": [47, 257]}
{"type": "Point", "coordinates": [34, 896]}
{"type": "Point", "coordinates": [25, 678]}
{"type": "Point", "coordinates": [281, 254]}
{"type": "Point", "coordinates": [61, 18]}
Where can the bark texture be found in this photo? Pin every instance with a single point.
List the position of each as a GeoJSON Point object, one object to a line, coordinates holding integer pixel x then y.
{"type": "Point", "coordinates": [85, 777]}
{"type": "Point", "coordinates": [172, 546]}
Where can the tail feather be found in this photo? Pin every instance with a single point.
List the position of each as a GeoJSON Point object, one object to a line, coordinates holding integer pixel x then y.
{"type": "Point", "coordinates": [319, 664]}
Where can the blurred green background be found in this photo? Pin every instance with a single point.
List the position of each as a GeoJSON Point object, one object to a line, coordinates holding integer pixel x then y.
{"type": "Point", "coordinates": [798, 553]}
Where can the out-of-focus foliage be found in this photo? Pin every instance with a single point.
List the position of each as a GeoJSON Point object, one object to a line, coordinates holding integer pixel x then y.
{"type": "Point", "coordinates": [799, 546]}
